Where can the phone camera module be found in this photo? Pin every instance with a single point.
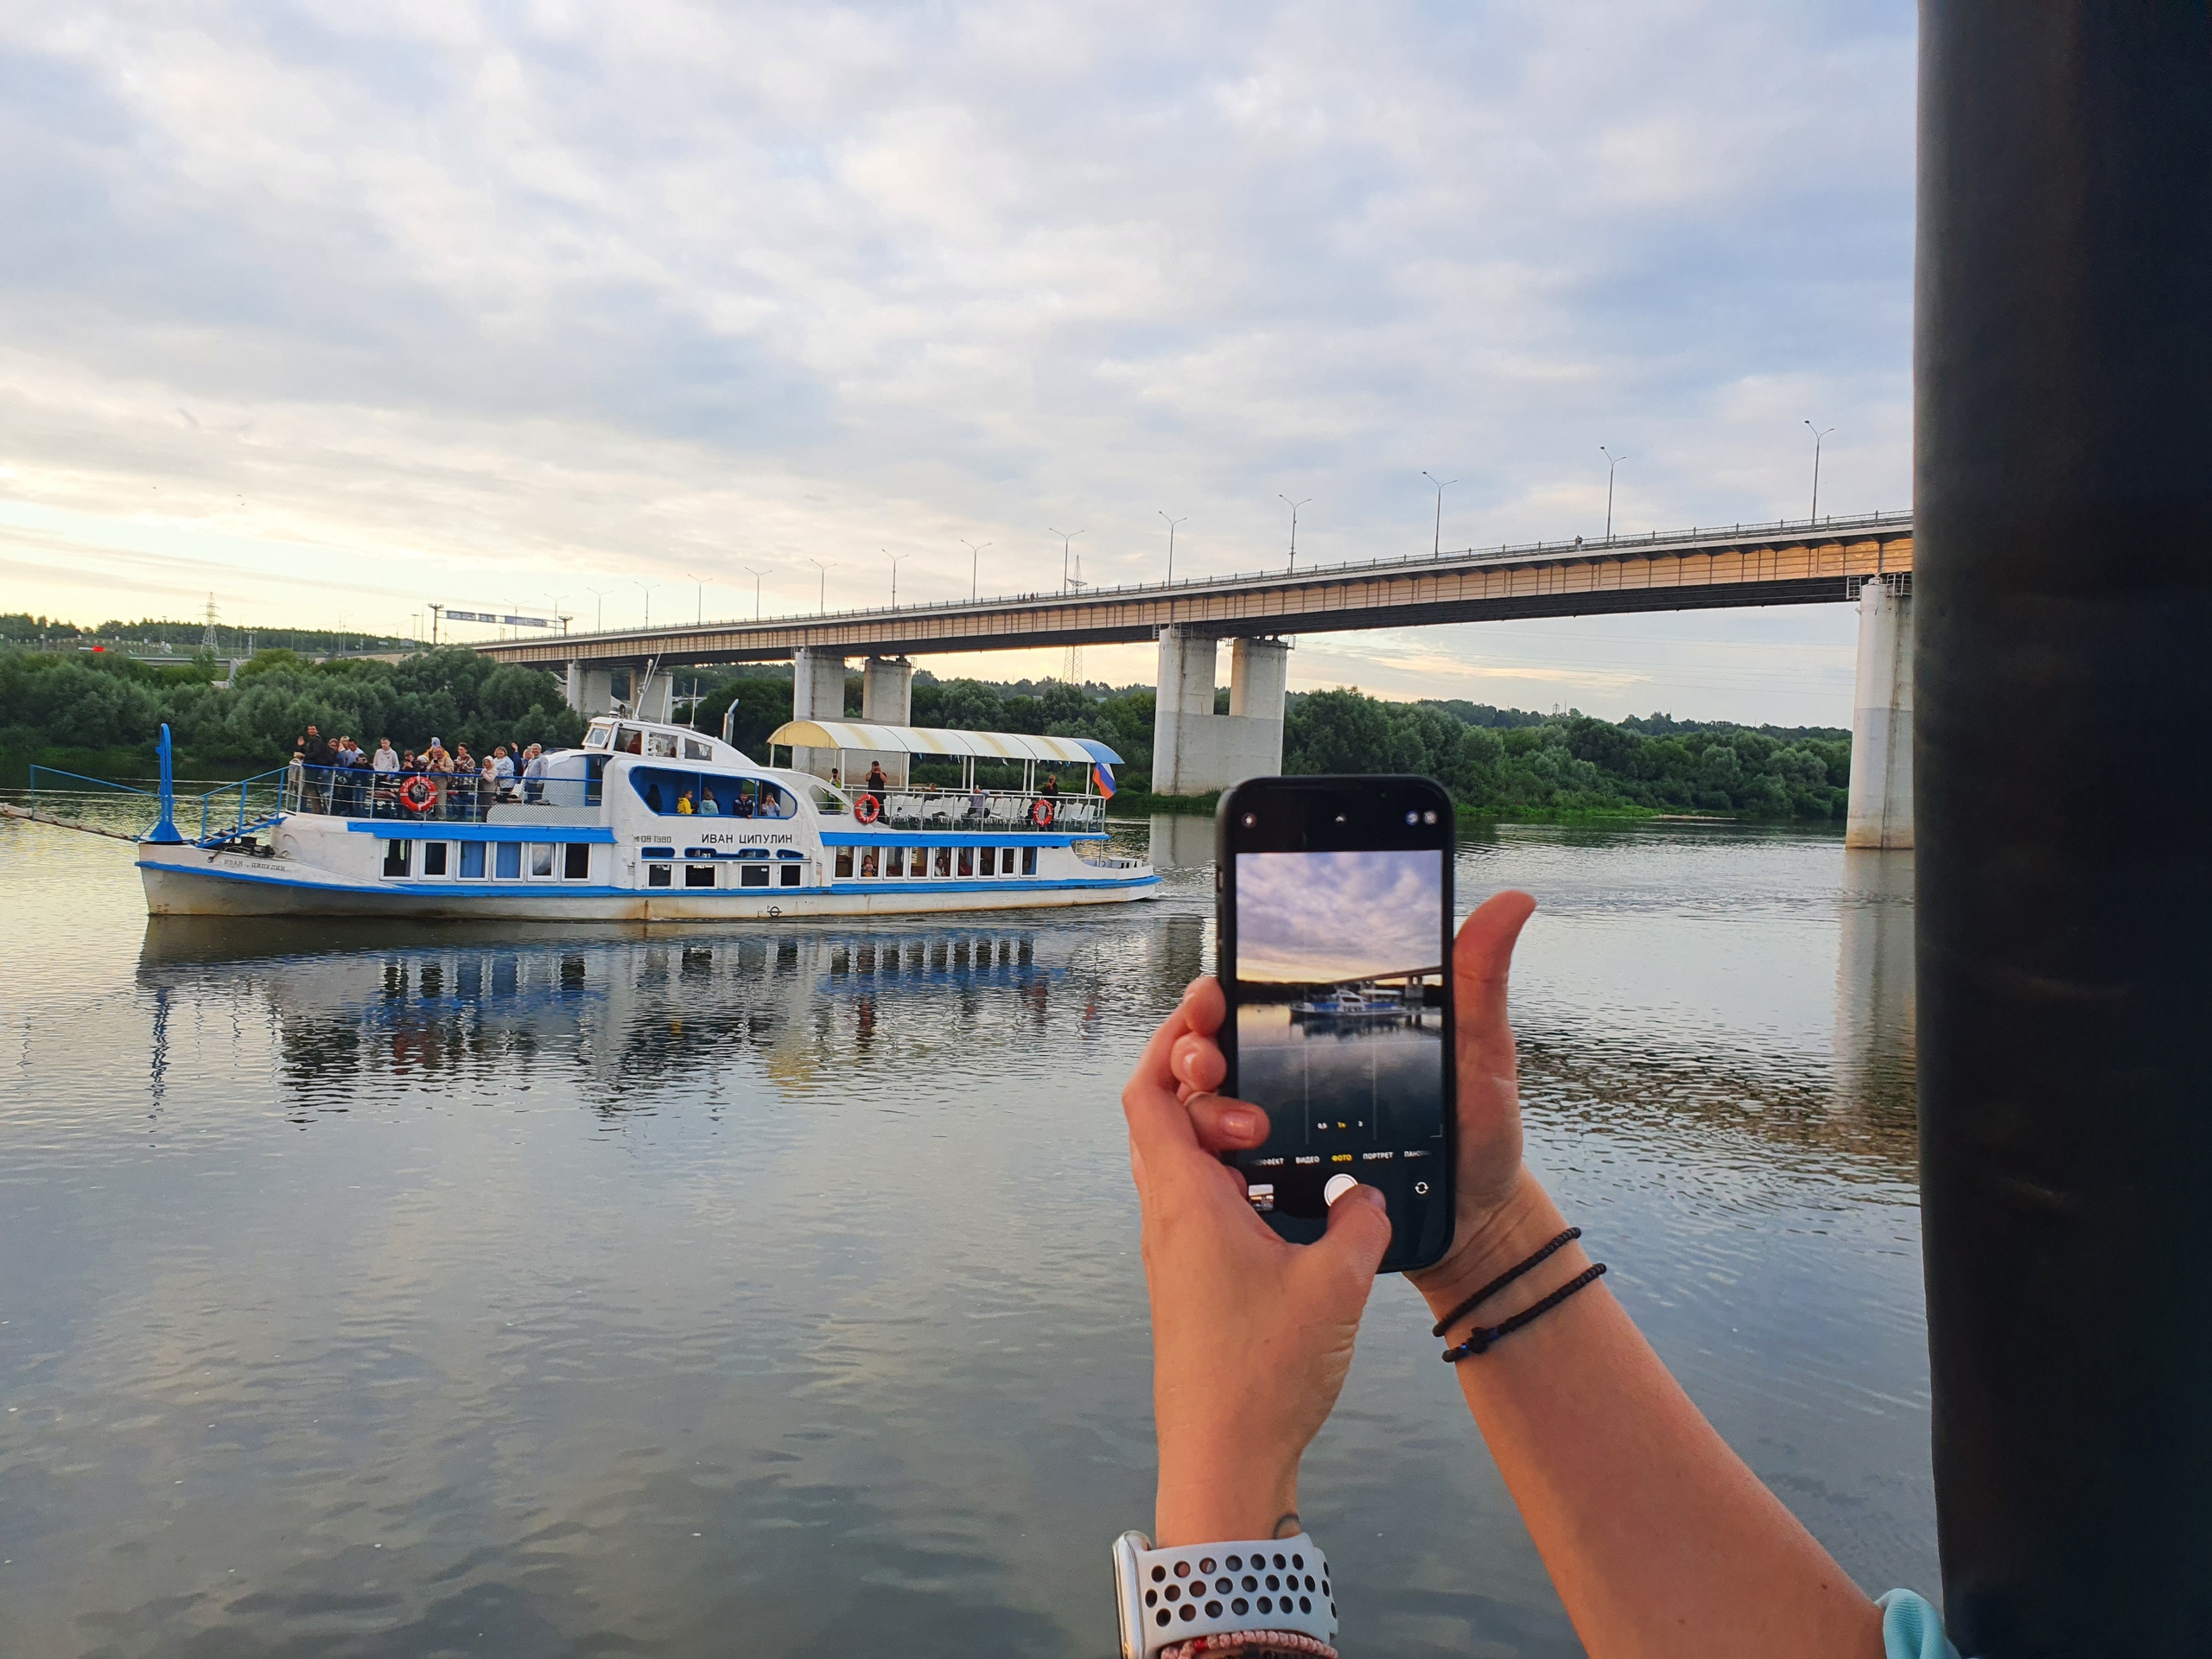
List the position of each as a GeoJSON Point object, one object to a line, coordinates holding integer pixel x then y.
{"type": "Point", "coordinates": [1429, 816]}
{"type": "Point", "coordinates": [1251, 820]}
{"type": "Point", "coordinates": [1413, 818]}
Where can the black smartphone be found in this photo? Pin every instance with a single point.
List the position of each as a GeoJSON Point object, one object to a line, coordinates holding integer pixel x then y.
{"type": "Point", "coordinates": [1335, 945]}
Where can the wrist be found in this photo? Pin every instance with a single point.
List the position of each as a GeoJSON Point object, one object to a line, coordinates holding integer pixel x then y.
{"type": "Point", "coordinates": [1519, 1226]}
{"type": "Point", "coordinates": [1203, 1499]}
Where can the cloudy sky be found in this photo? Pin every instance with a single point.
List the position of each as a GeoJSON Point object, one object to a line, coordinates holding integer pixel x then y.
{"type": "Point", "coordinates": [1323, 917]}
{"type": "Point", "coordinates": [335, 309]}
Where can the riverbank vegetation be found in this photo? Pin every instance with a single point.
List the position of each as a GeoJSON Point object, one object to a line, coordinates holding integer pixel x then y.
{"type": "Point", "coordinates": [98, 712]}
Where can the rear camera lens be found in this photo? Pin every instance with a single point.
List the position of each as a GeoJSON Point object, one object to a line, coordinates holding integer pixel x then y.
{"type": "Point", "coordinates": [1428, 818]}
{"type": "Point", "coordinates": [1251, 820]}
{"type": "Point", "coordinates": [1415, 817]}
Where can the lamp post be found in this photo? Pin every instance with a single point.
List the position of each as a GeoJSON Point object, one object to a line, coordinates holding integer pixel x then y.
{"type": "Point", "coordinates": [1436, 547]}
{"type": "Point", "coordinates": [557, 617]}
{"type": "Point", "coordinates": [1172, 523]}
{"type": "Point", "coordinates": [1294, 506]}
{"type": "Point", "coordinates": [1612, 462]}
{"type": "Point", "coordinates": [699, 598]}
{"type": "Point", "coordinates": [894, 558]}
{"type": "Point", "coordinates": [648, 587]}
{"type": "Point", "coordinates": [1067, 539]}
{"type": "Point", "coordinates": [756, 575]}
{"type": "Point", "coordinates": [598, 612]}
{"type": "Point", "coordinates": [975, 564]}
{"type": "Point", "coordinates": [1818, 435]}
{"type": "Point", "coordinates": [823, 602]}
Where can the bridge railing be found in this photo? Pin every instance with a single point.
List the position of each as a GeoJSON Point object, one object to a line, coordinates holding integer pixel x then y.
{"type": "Point", "coordinates": [1827, 525]}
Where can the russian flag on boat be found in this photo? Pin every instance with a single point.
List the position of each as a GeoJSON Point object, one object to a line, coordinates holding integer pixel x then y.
{"type": "Point", "coordinates": [1102, 765]}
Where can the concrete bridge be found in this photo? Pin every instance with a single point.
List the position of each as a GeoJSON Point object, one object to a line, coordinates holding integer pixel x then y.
{"type": "Point", "coordinates": [1835, 561]}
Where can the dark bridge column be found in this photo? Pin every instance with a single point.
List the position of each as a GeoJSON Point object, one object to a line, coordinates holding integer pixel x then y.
{"type": "Point", "coordinates": [2063, 581]}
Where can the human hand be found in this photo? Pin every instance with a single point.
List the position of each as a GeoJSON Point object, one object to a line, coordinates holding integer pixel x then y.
{"type": "Point", "coordinates": [1499, 1204]}
{"type": "Point", "coordinates": [1251, 1336]}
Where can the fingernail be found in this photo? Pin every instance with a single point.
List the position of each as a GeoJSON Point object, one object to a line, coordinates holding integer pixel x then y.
{"type": "Point", "coordinates": [1338, 1186]}
{"type": "Point", "coordinates": [1240, 1123]}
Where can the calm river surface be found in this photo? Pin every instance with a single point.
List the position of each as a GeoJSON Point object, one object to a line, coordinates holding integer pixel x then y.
{"type": "Point", "coordinates": [775, 1291]}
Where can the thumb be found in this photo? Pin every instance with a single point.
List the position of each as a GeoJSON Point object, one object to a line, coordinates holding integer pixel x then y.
{"type": "Point", "coordinates": [1359, 1231]}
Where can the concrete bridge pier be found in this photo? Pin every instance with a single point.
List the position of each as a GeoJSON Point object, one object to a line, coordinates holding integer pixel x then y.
{"type": "Point", "coordinates": [593, 689]}
{"type": "Point", "coordinates": [818, 693]}
{"type": "Point", "coordinates": [1195, 751]}
{"type": "Point", "coordinates": [1879, 812]}
{"type": "Point", "coordinates": [886, 699]}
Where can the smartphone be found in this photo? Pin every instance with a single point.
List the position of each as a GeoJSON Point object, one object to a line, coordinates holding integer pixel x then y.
{"type": "Point", "coordinates": [1334, 902]}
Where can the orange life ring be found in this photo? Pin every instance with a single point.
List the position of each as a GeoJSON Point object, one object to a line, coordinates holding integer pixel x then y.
{"type": "Point", "coordinates": [1042, 812]}
{"type": "Point", "coordinates": [867, 809]}
{"type": "Point", "coordinates": [416, 794]}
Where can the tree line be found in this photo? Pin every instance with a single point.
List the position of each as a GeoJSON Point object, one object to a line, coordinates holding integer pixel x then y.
{"type": "Point", "coordinates": [59, 708]}
{"type": "Point", "coordinates": [1506, 762]}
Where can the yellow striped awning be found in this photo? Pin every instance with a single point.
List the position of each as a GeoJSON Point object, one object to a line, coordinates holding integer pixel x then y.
{"type": "Point", "coordinates": [930, 740]}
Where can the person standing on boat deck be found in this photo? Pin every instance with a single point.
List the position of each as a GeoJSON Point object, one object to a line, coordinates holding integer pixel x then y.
{"type": "Point", "coordinates": [464, 781]}
{"type": "Point", "coordinates": [684, 804]}
{"type": "Point", "coordinates": [876, 780]}
{"type": "Point", "coordinates": [318, 776]}
{"type": "Point", "coordinates": [533, 774]}
{"type": "Point", "coordinates": [709, 806]}
{"type": "Point", "coordinates": [385, 764]}
{"type": "Point", "coordinates": [503, 771]}
{"type": "Point", "coordinates": [979, 802]}
{"type": "Point", "coordinates": [487, 787]}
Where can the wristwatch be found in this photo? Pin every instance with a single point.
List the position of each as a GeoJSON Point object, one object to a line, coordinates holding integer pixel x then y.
{"type": "Point", "coordinates": [1169, 1596]}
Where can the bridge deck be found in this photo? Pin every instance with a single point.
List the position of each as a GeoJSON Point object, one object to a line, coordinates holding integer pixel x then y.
{"type": "Point", "coordinates": [1740, 565]}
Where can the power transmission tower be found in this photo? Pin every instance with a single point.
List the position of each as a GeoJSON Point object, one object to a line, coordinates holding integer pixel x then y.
{"type": "Point", "coordinates": [208, 637]}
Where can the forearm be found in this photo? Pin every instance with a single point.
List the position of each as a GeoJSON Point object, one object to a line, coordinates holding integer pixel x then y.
{"type": "Point", "coordinates": [1659, 1539]}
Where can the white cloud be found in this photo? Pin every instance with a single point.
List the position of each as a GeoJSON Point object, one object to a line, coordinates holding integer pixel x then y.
{"type": "Point", "coordinates": [486, 304]}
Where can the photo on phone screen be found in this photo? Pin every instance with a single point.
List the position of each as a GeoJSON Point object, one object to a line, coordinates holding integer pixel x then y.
{"type": "Point", "coordinates": [1336, 968]}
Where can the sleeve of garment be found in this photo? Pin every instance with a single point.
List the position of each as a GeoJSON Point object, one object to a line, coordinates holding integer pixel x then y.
{"type": "Point", "coordinates": [1911, 1629]}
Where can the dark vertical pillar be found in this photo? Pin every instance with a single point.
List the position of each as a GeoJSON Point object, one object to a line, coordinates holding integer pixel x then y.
{"type": "Point", "coordinates": [2063, 580]}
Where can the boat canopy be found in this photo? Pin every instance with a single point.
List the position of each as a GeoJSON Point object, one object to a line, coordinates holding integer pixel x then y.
{"type": "Point", "coordinates": [930, 740]}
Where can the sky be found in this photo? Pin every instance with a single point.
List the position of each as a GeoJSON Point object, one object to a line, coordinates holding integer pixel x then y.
{"type": "Point", "coordinates": [334, 311]}
{"type": "Point", "coordinates": [1322, 917]}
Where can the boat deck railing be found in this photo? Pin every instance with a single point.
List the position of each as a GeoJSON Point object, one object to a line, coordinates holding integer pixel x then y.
{"type": "Point", "coordinates": [1021, 811]}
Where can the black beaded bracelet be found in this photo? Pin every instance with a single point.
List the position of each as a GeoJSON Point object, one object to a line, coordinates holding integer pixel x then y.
{"type": "Point", "coordinates": [1480, 1339]}
{"type": "Point", "coordinates": [1503, 1280]}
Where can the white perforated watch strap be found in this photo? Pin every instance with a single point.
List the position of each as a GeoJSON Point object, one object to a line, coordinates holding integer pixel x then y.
{"type": "Point", "coordinates": [1280, 1584]}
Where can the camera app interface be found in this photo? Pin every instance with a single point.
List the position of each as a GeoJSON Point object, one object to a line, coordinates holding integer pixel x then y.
{"type": "Point", "coordinates": [1339, 1011]}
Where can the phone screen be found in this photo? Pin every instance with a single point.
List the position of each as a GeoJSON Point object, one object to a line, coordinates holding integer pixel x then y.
{"type": "Point", "coordinates": [1336, 949]}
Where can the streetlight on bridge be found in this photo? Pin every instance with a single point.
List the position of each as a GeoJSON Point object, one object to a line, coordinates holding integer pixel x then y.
{"type": "Point", "coordinates": [756, 575]}
{"type": "Point", "coordinates": [599, 615]}
{"type": "Point", "coordinates": [1612, 461]}
{"type": "Point", "coordinates": [1067, 539]}
{"type": "Point", "coordinates": [823, 603]}
{"type": "Point", "coordinates": [894, 558]}
{"type": "Point", "coordinates": [648, 587]}
{"type": "Point", "coordinates": [1818, 435]}
{"type": "Point", "coordinates": [1436, 548]}
{"type": "Point", "coordinates": [1294, 506]}
{"type": "Point", "coordinates": [557, 617]}
{"type": "Point", "coordinates": [700, 598]}
{"type": "Point", "coordinates": [974, 564]}
{"type": "Point", "coordinates": [1172, 523]}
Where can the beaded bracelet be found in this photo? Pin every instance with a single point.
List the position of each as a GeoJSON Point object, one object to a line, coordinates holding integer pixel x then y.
{"type": "Point", "coordinates": [1503, 1280]}
{"type": "Point", "coordinates": [1482, 1337]}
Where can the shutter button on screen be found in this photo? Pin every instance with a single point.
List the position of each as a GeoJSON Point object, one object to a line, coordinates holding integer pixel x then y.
{"type": "Point", "coordinates": [1338, 1186]}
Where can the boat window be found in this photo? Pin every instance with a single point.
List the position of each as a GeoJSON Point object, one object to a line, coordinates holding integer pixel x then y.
{"type": "Point", "coordinates": [844, 861]}
{"type": "Point", "coordinates": [506, 860]}
{"type": "Point", "coordinates": [599, 737]}
{"type": "Point", "coordinates": [630, 740]}
{"type": "Point", "coordinates": [661, 744]}
{"type": "Point", "coordinates": [828, 800]}
{"type": "Point", "coordinates": [698, 876]}
{"type": "Point", "coordinates": [988, 861]}
{"type": "Point", "coordinates": [714, 795]}
{"type": "Point", "coordinates": [575, 863]}
{"type": "Point", "coordinates": [541, 858]}
{"type": "Point", "coordinates": [472, 861]}
{"type": "Point", "coordinates": [753, 875]}
{"type": "Point", "coordinates": [1029, 861]}
{"type": "Point", "coordinates": [1005, 861]}
{"type": "Point", "coordinates": [791, 875]}
{"type": "Point", "coordinates": [659, 875]}
{"type": "Point", "coordinates": [895, 860]}
{"type": "Point", "coordinates": [433, 857]}
{"type": "Point", "coordinates": [945, 861]}
{"type": "Point", "coordinates": [871, 861]}
{"type": "Point", "coordinates": [967, 860]}
{"type": "Point", "coordinates": [697, 749]}
{"type": "Point", "coordinates": [395, 857]}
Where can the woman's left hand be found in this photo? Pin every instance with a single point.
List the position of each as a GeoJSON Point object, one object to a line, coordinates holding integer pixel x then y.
{"type": "Point", "coordinates": [1251, 1336]}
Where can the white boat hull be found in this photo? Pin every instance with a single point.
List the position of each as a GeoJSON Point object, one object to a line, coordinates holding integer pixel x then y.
{"type": "Point", "coordinates": [192, 881]}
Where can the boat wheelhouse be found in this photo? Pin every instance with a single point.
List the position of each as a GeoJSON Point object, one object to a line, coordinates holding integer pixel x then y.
{"type": "Point", "coordinates": [650, 821]}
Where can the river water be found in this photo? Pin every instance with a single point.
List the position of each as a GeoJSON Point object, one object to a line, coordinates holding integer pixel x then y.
{"type": "Point", "coordinates": [368, 1291]}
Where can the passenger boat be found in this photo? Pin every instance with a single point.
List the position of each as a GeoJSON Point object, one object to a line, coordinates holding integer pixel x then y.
{"type": "Point", "coordinates": [656, 822]}
{"type": "Point", "coordinates": [1368, 1005]}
